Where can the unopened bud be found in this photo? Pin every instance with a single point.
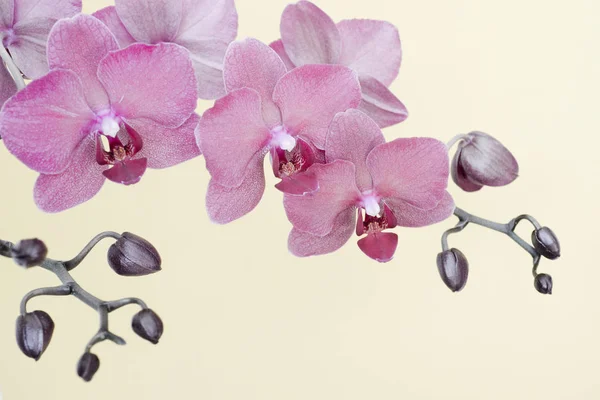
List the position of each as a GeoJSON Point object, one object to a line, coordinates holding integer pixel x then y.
{"type": "Point", "coordinates": [543, 283]}
{"type": "Point", "coordinates": [546, 243]}
{"type": "Point", "coordinates": [482, 161]}
{"type": "Point", "coordinates": [454, 269]}
{"type": "Point", "coordinates": [148, 325]}
{"type": "Point", "coordinates": [29, 253]}
{"type": "Point", "coordinates": [34, 331]}
{"type": "Point", "coordinates": [132, 255]}
{"type": "Point", "coordinates": [88, 366]}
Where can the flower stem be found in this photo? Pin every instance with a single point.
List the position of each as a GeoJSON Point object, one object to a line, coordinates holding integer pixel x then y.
{"type": "Point", "coordinates": [12, 68]}
{"type": "Point", "coordinates": [454, 140]}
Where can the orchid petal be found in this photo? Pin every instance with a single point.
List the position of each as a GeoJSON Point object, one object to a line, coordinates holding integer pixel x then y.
{"type": "Point", "coordinates": [43, 123]}
{"type": "Point", "coordinates": [155, 82]}
{"type": "Point", "coordinates": [380, 246]}
{"type": "Point", "coordinates": [81, 181]}
{"type": "Point", "coordinates": [410, 216]}
{"type": "Point", "coordinates": [79, 44]}
{"type": "Point", "coordinates": [231, 135]}
{"type": "Point", "coordinates": [413, 170]}
{"type": "Point", "coordinates": [110, 18]}
{"type": "Point", "coordinates": [7, 85]}
{"type": "Point", "coordinates": [460, 177]}
{"type": "Point", "coordinates": [33, 20]}
{"type": "Point", "coordinates": [310, 96]}
{"type": "Point", "coordinates": [298, 184]}
{"type": "Point", "coordinates": [352, 136]}
{"type": "Point", "coordinates": [166, 147]}
{"type": "Point", "coordinates": [151, 21]}
{"type": "Point", "coordinates": [280, 50]}
{"type": "Point", "coordinates": [379, 103]}
{"type": "Point", "coordinates": [302, 244]}
{"type": "Point", "coordinates": [207, 28]}
{"type": "Point", "coordinates": [371, 48]}
{"type": "Point", "coordinates": [252, 64]}
{"type": "Point", "coordinates": [309, 35]}
{"type": "Point", "coordinates": [225, 204]}
{"type": "Point", "coordinates": [316, 212]}
{"type": "Point", "coordinates": [7, 13]}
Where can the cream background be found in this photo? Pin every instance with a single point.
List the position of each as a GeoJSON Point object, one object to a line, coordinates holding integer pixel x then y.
{"type": "Point", "coordinates": [246, 320]}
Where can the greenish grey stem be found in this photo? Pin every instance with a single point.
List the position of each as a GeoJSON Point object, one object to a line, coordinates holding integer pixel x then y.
{"type": "Point", "coordinates": [73, 263]}
{"type": "Point", "coordinates": [63, 290]}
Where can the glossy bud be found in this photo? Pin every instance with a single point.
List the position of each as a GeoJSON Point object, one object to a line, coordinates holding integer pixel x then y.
{"type": "Point", "coordinates": [148, 325]}
{"type": "Point", "coordinates": [543, 283]}
{"type": "Point", "coordinates": [454, 269]}
{"type": "Point", "coordinates": [482, 161]}
{"type": "Point", "coordinates": [132, 255]}
{"type": "Point", "coordinates": [29, 253]}
{"type": "Point", "coordinates": [34, 331]}
{"type": "Point", "coordinates": [546, 243]}
{"type": "Point", "coordinates": [88, 366]}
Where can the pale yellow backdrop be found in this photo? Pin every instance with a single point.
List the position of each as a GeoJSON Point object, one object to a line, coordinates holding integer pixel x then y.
{"type": "Point", "coordinates": [246, 320]}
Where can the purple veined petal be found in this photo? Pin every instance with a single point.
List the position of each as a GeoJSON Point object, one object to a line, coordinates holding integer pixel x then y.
{"type": "Point", "coordinates": [459, 176]}
{"type": "Point", "coordinates": [413, 170]}
{"type": "Point", "coordinates": [252, 64]}
{"type": "Point", "coordinates": [410, 216]}
{"type": "Point", "coordinates": [110, 18]}
{"type": "Point", "coordinates": [7, 13]}
{"type": "Point", "coordinates": [380, 246]}
{"type": "Point", "coordinates": [154, 82]}
{"type": "Point", "coordinates": [309, 35]}
{"type": "Point", "coordinates": [280, 50]}
{"type": "Point", "coordinates": [231, 135]}
{"type": "Point", "coordinates": [310, 96]}
{"type": "Point", "coordinates": [81, 181]}
{"type": "Point", "coordinates": [226, 204]}
{"type": "Point", "coordinates": [352, 135]}
{"type": "Point", "coordinates": [298, 184]}
{"type": "Point", "coordinates": [128, 172]}
{"type": "Point", "coordinates": [207, 28]}
{"type": "Point", "coordinates": [316, 212]}
{"type": "Point", "coordinates": [166, 147]}
{"type": "Point", "coordinates": [286, 163]}
{"type": "Point", "coordinates": [151, 21]}
{"type": "Point", "coordinates": [7, 85]}
{"type": "Point", "coordinates": [486, 161]}
{"type": "Point", "coordinates": [45, 122]}
{"type": "Point", "coordinates": [379, 103]}
{"type": "Point", "coordinates": [79, 44]}
{"type": "Point", "coordinates": [371, 48]}
{"type": "Point", "coordinates": [33, 20]}
{"type": "Point", "coordinates": [302, 244]}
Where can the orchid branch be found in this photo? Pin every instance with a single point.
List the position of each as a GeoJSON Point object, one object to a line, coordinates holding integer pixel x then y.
{"type": "Point", "coordinates": [34, 329]}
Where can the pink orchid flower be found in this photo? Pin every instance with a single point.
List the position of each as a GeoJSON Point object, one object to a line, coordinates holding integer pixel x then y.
{"type": "Point", "coordinates": [101, 113]}
{"type": "Point", "coordinates": [268, 111]}
{"type": "Point", "coordinates": [400, 183]}
{"type": "Point", "coordinates": [371, 48]}
{"type": "Point", "coordinates": [204, 27]}
{"type": "Point", "coordinates": [24, 28]}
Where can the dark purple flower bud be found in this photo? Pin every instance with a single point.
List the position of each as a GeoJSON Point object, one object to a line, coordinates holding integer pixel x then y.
{"type": "Point", "coordinates": [454, 269]}
{"type": "Point", "coordinates": [148, 325]}
{"type": "Point", "coordinates": [546, 243]}
{"type": "Point", "coordinates": [88, 366]}
{"type": "Point", "coordinates": [34, 331]}
{"type": "Point", "coordinates": [29, 253]}
{"type": "Point", "coordinates": [132, 255]}
{"type": "Point", "coordinates": [543, 283]}
{"type": "Point", "coordinates": [482, 161]}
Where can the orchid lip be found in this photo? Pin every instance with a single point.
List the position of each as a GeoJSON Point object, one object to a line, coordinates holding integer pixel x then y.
{"type": "Point", "coordinates": [282, 139]}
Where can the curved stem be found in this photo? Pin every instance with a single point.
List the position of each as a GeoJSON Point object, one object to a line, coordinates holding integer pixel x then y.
{"type": "Point", "coordinates": [506, 229]}
{"type": "Point", "coordinates": [63, 290]}
{"type": "Point", "coordinates": [115, 305]}
{"type": "Point", "coordinates": [455, 139]}
{"type": "Point", "coordinates": [527, 217]}
{"type": "Point", "coordinates": [459, 227]}
{"type": "Point", "coordinates": [73, 263]}
{"type": "Point", "coordinates": [103, 333]}
{"type": "Point", "coordinates": [12, 68]}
